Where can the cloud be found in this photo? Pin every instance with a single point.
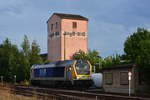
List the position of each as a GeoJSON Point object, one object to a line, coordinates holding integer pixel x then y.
{"type": "Point", "coordinates": [107, 37]}
{"type": "Point", "coordinates": [110, 22]}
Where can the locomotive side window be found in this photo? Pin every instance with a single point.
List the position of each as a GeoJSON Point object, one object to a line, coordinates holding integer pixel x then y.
{"type": "Point", "coordinates": [82, 68]}
{"type": "Point", "coordinates": [42, 72]}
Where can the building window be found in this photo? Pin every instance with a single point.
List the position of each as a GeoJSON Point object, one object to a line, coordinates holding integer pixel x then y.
{"type": "Point", "coordinates": [52, 26]}
{"type": "Point", "coordinates": [74, 24]}
{"type": "Point", "coordinates": [108, 78]}
{"type": "Point", "coordinates": [57, 34]}
{"type": "Point", "coordinates": [54, 34]}
{"type": "Point", "coordinates": [56, 25]}
{"type": "Point", "coordinates": [124, 78]}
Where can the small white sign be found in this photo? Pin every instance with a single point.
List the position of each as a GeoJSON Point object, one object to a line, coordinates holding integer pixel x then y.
{"type": "Point", "coordinates": [129, 74]}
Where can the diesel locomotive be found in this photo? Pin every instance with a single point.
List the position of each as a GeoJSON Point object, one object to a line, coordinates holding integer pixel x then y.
{"type": "Point", "coordinates": [62, 73]}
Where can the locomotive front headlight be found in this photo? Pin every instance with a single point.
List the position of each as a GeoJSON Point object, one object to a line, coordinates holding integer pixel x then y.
{"type": "Point", "coordinates": [70, 69]}
{"type": "Point", "coordinates": [79, 77]}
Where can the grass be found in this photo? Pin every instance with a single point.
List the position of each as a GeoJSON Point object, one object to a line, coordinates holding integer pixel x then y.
{"type": "Point", "coordinates": [6, 94]}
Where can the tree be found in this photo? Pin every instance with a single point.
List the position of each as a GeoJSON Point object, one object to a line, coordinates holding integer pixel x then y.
{"type": "Point", "coordinates": [35, 54]}
{"type": "Point", "coordinates": [92, 56]}
{"type": "Point", "coordinates": [26, 46]}
{"type": "Point", "coordinates": [25, 59]}
{"type": "Point", "coordinates": [79, 55]}
{"type": "Point", "coordinates": [15, 62]}
{"type": "Point", "coordinates": [137, 45]}
{"type": "Point", "coordinates": [137, 50]}
{"type": "Point", "coordinates": [9, 54]}
{"type": "Point", "coordinates": [112, 60]}
{"type": "Point", "coordinates": [22, 72]}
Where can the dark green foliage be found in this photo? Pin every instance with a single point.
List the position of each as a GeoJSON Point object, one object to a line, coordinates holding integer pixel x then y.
{"type": "Point", "coordinates": [23, 68]}
{"type": "Point", "coordinates": [35, 54]}
{"type": "Point", "coordinates": [18, 62]}
{"type": "Point", "coordinates": [8, 60]}
{"type": "Point", "coordinates": [137, 50]}
{"type": "Point", "coordinates": [112, 60]}
{"type": "Point", "coordinates": [25, 58]}
{"type": "Point", "coordinates": [91, 56]}
{"type": "Point", "coordinates": [97, 61]}
{"type": "Point", "coordinates": [137, 46]}
{"type": "Point", "coordinates": [80, 55]}
{"type": "Point", "coordinates": [26, 46]}
{"type": "Point", "coordinates": [46, 61]}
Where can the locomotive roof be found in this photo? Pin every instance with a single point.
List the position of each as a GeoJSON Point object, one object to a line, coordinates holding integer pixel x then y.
{"type": "Point", "coordinates": [66, 63]}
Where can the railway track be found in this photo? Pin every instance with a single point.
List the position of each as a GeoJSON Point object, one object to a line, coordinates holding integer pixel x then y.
{"type": "Point", "coordinates": [46, 94]}
{"type": "Point", "coordinates": [63, 94]}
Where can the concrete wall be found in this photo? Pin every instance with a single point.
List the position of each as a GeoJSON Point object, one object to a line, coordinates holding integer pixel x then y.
{"type": "Point", "coordinates": [136, 87]}
{"type": "Point", "coordinates": [116, 86]}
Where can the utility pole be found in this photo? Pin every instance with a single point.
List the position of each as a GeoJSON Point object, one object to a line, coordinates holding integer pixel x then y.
{"type": "Point", "coordinates": [99, 61]}
{"type": "Point", "coordinates": [15, 79]}
{"type": "Point", "coordinates": [129, 78]}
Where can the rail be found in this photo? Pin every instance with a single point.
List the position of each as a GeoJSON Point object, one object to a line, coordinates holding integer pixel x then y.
{"type": "Point", "coordinates": [62, 94]}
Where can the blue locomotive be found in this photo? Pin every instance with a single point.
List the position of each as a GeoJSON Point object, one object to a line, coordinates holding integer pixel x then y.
{"type": "Point", "coordinates": [62, 73]}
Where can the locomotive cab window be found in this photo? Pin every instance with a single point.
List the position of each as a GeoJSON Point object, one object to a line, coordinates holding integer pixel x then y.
{"type": "Point", "coordinates": [56, 25]}
{"type": "Point", "coordinates": [82, 67]}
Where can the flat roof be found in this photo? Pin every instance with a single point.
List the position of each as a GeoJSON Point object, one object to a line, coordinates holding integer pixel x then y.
{"type": "Point", "coordinates": [122, 66]}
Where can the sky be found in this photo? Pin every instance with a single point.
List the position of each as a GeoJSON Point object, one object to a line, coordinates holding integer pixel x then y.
{"type": "Point", "coordinates": [110, 21]}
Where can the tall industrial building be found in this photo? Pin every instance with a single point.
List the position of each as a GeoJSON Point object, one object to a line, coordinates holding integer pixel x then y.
{"type": "Point", "coordinates": [67, 34]}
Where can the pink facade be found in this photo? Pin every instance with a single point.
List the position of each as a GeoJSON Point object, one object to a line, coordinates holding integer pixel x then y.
{"type": "Point", "coordinates": [66, 36]}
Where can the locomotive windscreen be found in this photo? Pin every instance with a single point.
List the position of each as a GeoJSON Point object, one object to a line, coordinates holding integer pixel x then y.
{"type": "Point", "coordinates": [82, 67]}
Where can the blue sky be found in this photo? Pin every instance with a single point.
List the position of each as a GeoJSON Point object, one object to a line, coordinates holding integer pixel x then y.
{"type": "Point", "coordinates": [110, 21]}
